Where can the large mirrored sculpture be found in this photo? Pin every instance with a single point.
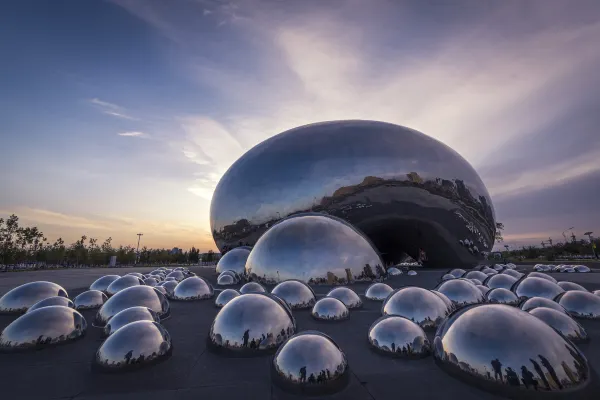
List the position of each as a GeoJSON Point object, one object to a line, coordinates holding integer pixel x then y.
{"type": "Point", "coordinates": [252, 287]}
{"type": "Point", "coordinates": [193, 288]}
{"type": "Point", "coordinates": [103, 282]}
{"type": "Point", "coordinates": [144, 296]}
{"type": "Point", "coordinates": [19, 299]}
{"type": "Point", "coordinates": [418, 305]}
{"type": "Point", "coordinates": [234, 260]}
{"type": "Point", "coordinates": [296, 293]}
{"type": "Point", "coordinates": [536, 287]}
{"type": "Point", "coordinates": [123, 282]}
{"type": "Point", "coordinates": [502, 296]}
{"type": "Point", "coordinates": [509, 352]}
{"type": "Point", "coordinates": [128, 316]}
{"type": "Point", "coordinates": [330, 309]}
{"type": "Point", "coordinates": [89, 299]}
{"type": "Point", "coordinates": [43, 327]}
{"type": "Point", "coordinates": [500, 281]}
{"type": "Point", "coordinates": [378, 291]}
{"type": "Point", "coordinates": [251, 324]}
{"type": "Point", "coordinates": [567, 286]}
{"type": "Point", "coordinates": [135, 345]}
{"type": "Point", "coordinates": [536, 302]}
{"type": "Point", "coordinates": [346, 296]}
{"type": "Point", "coordinates": [314, 249]}
{"type": "Point", "coordinates": [560, 321]}
{"type": "Point", "coordinates": [310, 363]}
{"type": "Point", "coordinates": [52, 301]}
{"type": "Point", "coordinates": [461, 292]}
{"type": "Point", "coordinates": [399, 337]}
{"type": "Point", "coordinates": [580, 304]}
{"type": "Point", "coordinates": [409, 193]}
{"type": "Point", "coordinates": [225, 297]}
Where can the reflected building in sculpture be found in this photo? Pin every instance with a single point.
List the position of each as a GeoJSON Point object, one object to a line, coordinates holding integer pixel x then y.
{"type": "Point", "coordinates": [409, 193]}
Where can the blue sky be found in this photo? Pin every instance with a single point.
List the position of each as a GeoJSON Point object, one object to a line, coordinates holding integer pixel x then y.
{"type": "Point", "coordinates": [121, 116]}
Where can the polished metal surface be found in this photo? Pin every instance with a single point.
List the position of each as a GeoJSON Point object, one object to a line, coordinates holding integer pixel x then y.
{"type": "Point", "coordinates": [529, 287]}
{"type": "Point", "coordinates": [419, 305]}
{"type": "Point", "coordinates": [409, 193]}
{"type": "Point", "coordinates": [476, 282]}
{"type": "Point", "coordinates": [480, 276]}
{"type": "Point", "coordinates": [393, 271]}
{"type": "Point", "coordinates": [123, 282]}
{"type": "Point", "coordinates": [541, 275]}
{"type": "Point", "coordinates": [160, 289]}
{"type": "Point", "coordinates": [177, 275]}
{"type": "Point", "coordinates": [581, 268]}
{"type": "Point", "coordinates": [411, 273]}
{"type": "Point", "coordinates": [560, 321]}
{"type": "Point", "coordinates": [457, 272]}
{"type": "Point", "coordinates": [235, 275]}
{"type": "Point", "coordinates": [169, 286]}
{"type": "Point", "coordinates": [102, 283]}
{"type": "Point", "coordinates": [19, 299]}
{"type": "Point", "coordinates": [567, 286]}
{"type": "Point", "coordinates": [90, 299]}
{"type": "Point", "coordinates": [145, 296]}
{"type": "Point", "coordinates": [193, 288]}
{"type": "Point", "coordinates": [128, 316]}
{"type": "Point", "coordinates": [330, 309]}
{"type": "Point", "coordinates": [445, 299]}
{"type": "Point", "coordinates": [151, 281]}
{"type": "Point", "coordinates": [315, 249]}
{"type": "Point", "coordinates": [509, 352]}
{"type": "Point", "coordinates": [52, 301]}
{"type": "Point", "coordinates": [135, 345]}
{"type": "Point", "coordinates": [580, 304]}
{"type": "Point", "coordinates": [378, 291]}
{"type": "Point", "coordinates": [535, 302]}
{"type": "Point", "coordinates": [225, 297]}
{"type": "Point", "coordinates": [234, 260]}
{"type": "Point", "coordinates": [226, 280]}
{"type": "Point", "coordinates": [500, 281]}
{"type": "Point", "coordinates": [310, 363]}
{"type": "Point", "coordinates": [461, 292]}
{"type": "Point", "coordinates": [483, 289]}
{"type": "Point", "coordinates": [252, 287]}
{"type": "Point", "coordinates": [502, 296]}
{"type": "Point", "coordinates": [252, 323]}
{"type": "Point", "coordinates": [43, 327]}
{"type": "Point", "coordinates": [136, 274]}
{"type": "Point", "coordinates": [346, 296]}
{"type": "Point", "coordinates": [399, 337]}
{"type": "Point", "coordinates": [513, 273]}
{"type": "Point", "coordinates": [296, 293]}
{"type": "Point", "coordinates": [447, 277]}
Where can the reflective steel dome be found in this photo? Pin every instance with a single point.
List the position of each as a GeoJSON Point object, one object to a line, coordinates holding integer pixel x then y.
{"type": "Point", "coordinates": [393, 271]}
{"type": "Point", "coordinates": [567, 286]}
{"type": "Point", "coordinates": [346, 296]}
{"type": "Point", "coordinates": [580, 304]}
{"type": "Point", "coordinates": [447, 277]}
{"type": "Point", "coordinates": [296, 293]}
{"type": "Point", "coordinates": [123, 282]}
{"type": "Point", "coordinates": [535, 302]}
{"type": "Point", "coordinates": [52, 301]}
{"type": "Point", "coordinates": [581, 268]}
{"type": "Point", "coordinates": [169, 286]}
{"type": "Point", "coordinates": [135, 345]}
{"type": "Point", "coordinates": [502, 296]}
{"type": "Point", "coordinates": [509, 352]}
{"type": "Point", "coordinates": [160, 289]}
{"type": "Point", "coordinates": [310, 363]}
{"type": "Point", "coordinates": [541, 275]}
{"type": "Point", "coordinates": [500, 281]}
{"type": "Point", "coordinates": [234, 260]}
{"type": "Point", "coordinates": [560, 321]}
{"type": "Point", "coordinates": [483, 289]}
{"type": "Point", "coordinates": [406, 191]}
{"type": "Point", "coordinates": [90, 299]}
{"type": "Point", "coordinates": [225, 297]}
{"type": "Point", "coordinates": [475, 282]}
{"type": "Point", "coordinates": [378, 291]}
{"type": "Point", "coordinates": [461, 292]}
{"type": "Point", "coordinates": [19, 299]}
{"type": "Point", "coordinates": [233, 274]}
{"type": "Point", "coordinates": [313, 248]}
{"type": "Point", "coordinates": [102, 283]}
{"type": "Point", "coordinates": [536, 287]}
{"type": "Point", "coordinates": [136, 274]}
{"type": "Point", "coordinates": [330, 309]}
{"type": "Point", "coordinates": [411, 273]}
{"type": "Point", "coordinates": [151, 281]}
{"type": "Point", "coordinates": [128, 316]}
{"type": "Point", "coordinates": [43, 327]}
{"type": "Point", "coordinates": [475, 275]}
{"type": "Point", "coordinates": [445, 299]}
{"type": "Point", "coordinates": [399, 337]}
{"type": "Point", "coordinates": [252, 287]}
{"type": "Point", "coordinates": [418, 305]}
{"type": "Point", "coordinates": [193, 288]}
{"type": "Point", "coordinates": [144, 296]}
{"type": "Point", "coordinates": [457, 272]}
{"type": "Point", "coordinates": [251, 324]}
{"type": "Point", "coordinates": [513, 273]}
{"type": "Point", "coordinates": [226, 280]}
{"type": "Point", "coordinates": [177, 275]}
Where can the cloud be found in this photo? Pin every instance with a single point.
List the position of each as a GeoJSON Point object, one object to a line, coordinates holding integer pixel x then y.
{"type": "Point", "coordinates": [111, 109]}
{"type": "Point", "coordinates": [206, 12]}
{"type": "Point", "coordinates": [134, 134]}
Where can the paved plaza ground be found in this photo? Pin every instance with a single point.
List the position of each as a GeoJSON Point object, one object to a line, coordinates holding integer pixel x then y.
{"type": "Point", "coordinates": [193, 372]}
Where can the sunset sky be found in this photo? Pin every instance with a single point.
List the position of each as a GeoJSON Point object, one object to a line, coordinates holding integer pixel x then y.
{"type": "Point", "coordinates": [120, 117]}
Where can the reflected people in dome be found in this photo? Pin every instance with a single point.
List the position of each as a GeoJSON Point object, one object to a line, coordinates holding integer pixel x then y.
{"type": "Point", "coordinates": [90, 299]}
{"type": "Point", "coordinates": [580, 304]}
{"type": "Point", "coordinates": [145, 296]}
{"type": "Point", "coordinates": [399, 337]}
{"type": "Point", "coordinates": [19, 299]}
{"type": "Point", "coordinates": [330, 309]}
{"type": "Point", "coordinates": [560, 321]}
{"type": "Point", "coordinates": [532, 286]}
{"type": "Point", "coordinates": [193, 288]}
{"type": "Point", "coordinates": [225, 297]}
{"type": "Point", "coordinates": [535, 302]}
{"type": "Point", "coordinates": [419, 305]}
{"type": "Point", "coordinates": [378, 291]}
{"type": "Point", "coordinates": [346, 296]}
{"type": "Point", "coordinates": [296, 293]}
{"type": "Point", "coordinates": [461, 292]}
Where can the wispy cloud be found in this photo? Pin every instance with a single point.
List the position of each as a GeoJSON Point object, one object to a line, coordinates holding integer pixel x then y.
{"type": "Point", "coordinates": [112, 109]}
{"type": "Point", "coordinates": [134, 134]}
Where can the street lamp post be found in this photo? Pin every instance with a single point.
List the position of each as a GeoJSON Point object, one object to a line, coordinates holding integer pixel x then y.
{"type": "Point", "coordinates": [137, 257]}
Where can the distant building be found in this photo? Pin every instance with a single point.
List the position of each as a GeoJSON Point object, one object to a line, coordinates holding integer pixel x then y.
{"type": "Point", "coordinates": [176, 250]}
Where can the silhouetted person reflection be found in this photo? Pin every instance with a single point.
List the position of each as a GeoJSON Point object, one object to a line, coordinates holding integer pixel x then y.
{"type": "Point", "coordinates": [551, 370]}
{"type": "Point", "coordinates": [303, 374]}
{"type": "Point", "coordinates": [246, 337]}
{"type": "Point", "coordinates": [128, 357]}
{"type": "Point", "coordinates": [540, 372]}
{"type": "Point", "coordinates": [497, 366]}
{"type": "Point", "coordinates": [528, 378]}
{"type": "Point", "coordinates": [311, 378]}
{"type": "Point", "coordinates": [511, 377]}
{"type": "Point", "coordinates": [393, 347]}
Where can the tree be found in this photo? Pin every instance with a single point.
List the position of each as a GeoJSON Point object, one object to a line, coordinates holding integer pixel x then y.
{"type": "Point", "coordinates": [194, 255]}
{"type": "Point", "coordinates": [499, 229]}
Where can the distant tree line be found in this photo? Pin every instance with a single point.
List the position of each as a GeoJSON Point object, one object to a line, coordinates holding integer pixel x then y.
{"type": "Point", "coordinates": [29, 245]}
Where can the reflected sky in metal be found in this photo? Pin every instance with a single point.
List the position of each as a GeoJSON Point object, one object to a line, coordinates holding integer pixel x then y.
{"type": "Point", "coordinates": [419, 305]}
{"type": "Point", "coordinates": [234, 260]}
{"type": "Point", "coordinates": [346, 296]}
{"type": "Point", "coordinates": [144, 296]}
{"type": "Point", "coordinates": [393, 271]}
{"type": "Point", "coordinates": [233, 274]}
{"type": "Point", "coordinates": [103, 282]}
{"type": "Point", "coordinates": [128, 316]}
{"type": "Point", "coordinates": [378, 291]}
{"type": "Point", "coordinates": [480, 276]}
{"type": "Point", "coordinates": [169, 286]}
{"type": "Point", "coordinates": [137, 274]}
{"type": "Point", "coordinates": [160, 289]}
{"type": "Point", "coordinates": [567, 286]}
{"type": "Point", "coordinates": [123, 283]}
{"type": "Point", "coordinates": [530, 287]}
{"type": "Point", "coordinates": [52, 301]}
{"type": "Point", "coordinates": [330, 309]}
{"type": "Point", "coordinates": [445, 299]}
{"type": "Point", "coordinates": [90, 299]}
{"type": "Point", "coordinates": [513, 273]}
{"type": "Point", "coordinates": [399, 337]}
{"type": "Point", "coordinates": [225, 280]}
{"type": "Point", "coordinates": [500, 281]}
{"type": "Point", "coordinates": [507, 351]}
{"type": "Point", "coordinates": [193, 288]}
{"type": "Point", "coordinates": [580, 304]}
{"type": "Point", "coordinates": [502, 296]}
{"type": "Point", "coordinates": [135, 345]}
{"type": "Point", "coordinates": [541, 275]}
{"type": "Point", "coordinates": [296, 293]}
{"type": "Point", "coordinates": [447, 277]}
{"type": "Point", "coordinates": [252, 287]}
{"type": "Point", "coordinates": [406, 191]}
{"type": "Point", "coordinates": [457, 272]}
{"type": "Point", "coordinates": [43, 327]}
{"type": "Point", "coordinates": [535, 302]}
{"type": "Point", "coordinates": [151, 281]}
{"type": "Point", "coordinates": [19, 299]}
{"type": "Point", "coordinates": [461, 292]}
{"type": "Point", "coordinates": [483, 289]}
{"type": "Point", "coordinates": [225, 296]}
{"type": "Point", "coordinates": [251, 324]}
{"type": "Point", "coordinates": [560, 321]}
{"type": "Point", "coordinates": [310, 363]}
{"type": "Point", "coordinates": [178, 275]}
{"type": "Point", "coordinates": [581, 268]}
{"type": "Point", "coordinates": [316, 249]}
